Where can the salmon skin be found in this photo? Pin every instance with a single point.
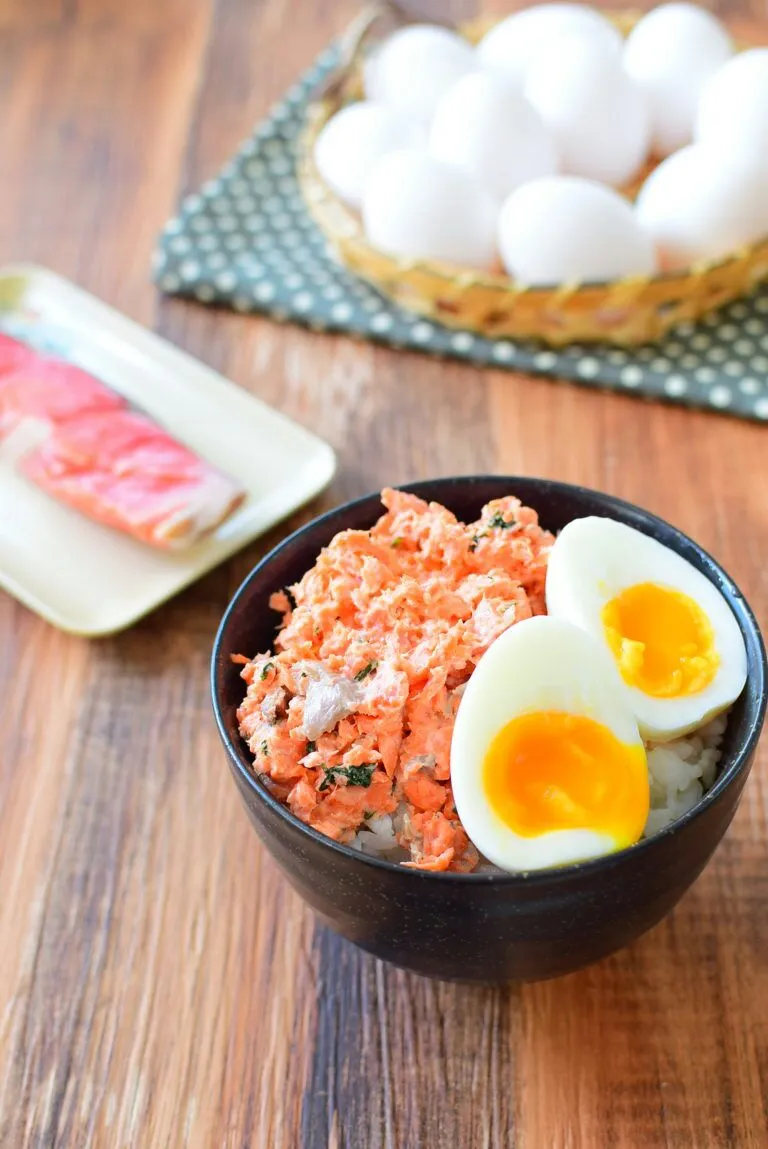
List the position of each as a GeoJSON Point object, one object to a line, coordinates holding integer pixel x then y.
{"type": "Point", "coordinates": [105, 460]}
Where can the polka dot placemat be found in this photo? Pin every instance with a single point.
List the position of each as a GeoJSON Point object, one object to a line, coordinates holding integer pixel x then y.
{"type": "Point", "coordinates": [246, 241]}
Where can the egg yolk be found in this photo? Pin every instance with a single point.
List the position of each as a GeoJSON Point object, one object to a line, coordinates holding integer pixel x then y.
{"type": "Point", "coordinates": [662, 641]}
{"type": "Point", "coordinates": [554, 771]}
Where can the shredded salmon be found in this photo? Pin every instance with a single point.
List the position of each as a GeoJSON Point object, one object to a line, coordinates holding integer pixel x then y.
{"type": "Point", "coordinates": [351, 716]}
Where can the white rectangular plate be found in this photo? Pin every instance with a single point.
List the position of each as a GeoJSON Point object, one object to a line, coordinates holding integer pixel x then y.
{"type": "Point", "coordinates": [82, 576]}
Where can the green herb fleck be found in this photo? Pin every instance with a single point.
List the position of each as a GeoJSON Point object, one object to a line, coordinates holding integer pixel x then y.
{"type": "Point", "coordinates": [398, 542]}
{"type": "Point", "coordinates": [368, 669]}
{"type": "Point", "coordinates": [361, 775]}
{"type": "Point", "coordinates": [355, 775]}
{"type": "Point", "coordinates": [311, 747]}
{"type": "Point", "coordinates": [476, 539]}
{"type": "Point", "coordinates": [499, 521]}
{"type": "Point", "coordinates": [367, 814]}
{"type": "Point", "coordinates": [266, 669]}
{"type": "Point", "coordinates": [265, 749]}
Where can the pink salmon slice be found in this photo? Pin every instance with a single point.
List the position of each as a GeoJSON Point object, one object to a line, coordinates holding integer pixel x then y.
{"type": "Point", "coordinates": [103, 459]}
{"type": "Point", "coordinates": [34, 387]}
{"type": "Point", "coordinates": [122, 470]}
{"type": "Point", "coordinates": [12, 353]}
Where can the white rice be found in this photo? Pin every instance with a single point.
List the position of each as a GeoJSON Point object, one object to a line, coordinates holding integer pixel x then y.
{"type": "Point", "coordinates": [680, 773]}
{"type": "Point", "coordinates": [378, 837]}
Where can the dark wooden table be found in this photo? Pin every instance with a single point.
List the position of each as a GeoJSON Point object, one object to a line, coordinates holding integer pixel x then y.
{"type": "Point", "coordinates": [160, 985]}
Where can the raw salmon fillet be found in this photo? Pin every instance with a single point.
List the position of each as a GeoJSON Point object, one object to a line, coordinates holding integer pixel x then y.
{"type": "Point", "coordinates": [35, 387]}
{"type": "Point", "coordinates": [11, 353]}
{"type": "Point", "coordinates": [123, 470]}
{"type": "Point", "coordinates": [105, 460]}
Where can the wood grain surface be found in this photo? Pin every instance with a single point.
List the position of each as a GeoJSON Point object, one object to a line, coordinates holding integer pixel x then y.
{"type": "Point", "coordinates": [160, 985]}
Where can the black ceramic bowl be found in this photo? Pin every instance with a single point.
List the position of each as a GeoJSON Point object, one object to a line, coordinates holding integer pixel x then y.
{"type": "Point", "coordinates": [484, 927]}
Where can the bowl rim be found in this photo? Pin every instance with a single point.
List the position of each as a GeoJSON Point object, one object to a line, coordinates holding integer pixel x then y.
{"type": "Point", "coordinates": [733, 769]}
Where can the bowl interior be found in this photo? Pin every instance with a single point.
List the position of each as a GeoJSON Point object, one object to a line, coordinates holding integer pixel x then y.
{"type": "Point", "coordinates": [249, 626]}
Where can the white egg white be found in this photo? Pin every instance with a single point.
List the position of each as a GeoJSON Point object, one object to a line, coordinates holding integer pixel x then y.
{"type": "Point", "coordinates": [733, 108]}
{"type": "Point", "coordinates": [595, 559]}
{"type": "Point", "coordinates": [419, 207]}
{"type": "Point", "coordinates": [355, 139]}
{"type": "Point", "coordinates": [512, 44]}
{"type": "Point", "coordinates": [701, 204]}
{"type": "Point", "coordinates": [541, 664]}
{"type": "Point", "coordinates": [596, 113]}
{"type": "Point", "coordinates": [563, 229]}
{"type": "Point", "coordinates": [671, 52]}
{"type": "Point", "coordinates": [415, 66]}
{"type": "Point", "coordinates": [487, 127]}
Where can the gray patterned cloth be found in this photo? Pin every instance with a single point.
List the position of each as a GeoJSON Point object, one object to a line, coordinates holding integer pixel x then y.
{"type": "Point", "coordinates": [246, 241]}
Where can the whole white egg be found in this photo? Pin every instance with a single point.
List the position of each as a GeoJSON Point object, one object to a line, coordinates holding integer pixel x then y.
{"type": "Point", "coordinates": [414, 67]}
{"type": "Point", "coordinates": [596, 113]}
{"type": "Point", "coordinates": [419, 207]}
{"type": "Point", "coordinates": [353, 140]}
{"type": "Point", "coordinates": [673, 636]}
{"type": "Point", "coordinates": [671, 53]}
{"type": "Point", "coordinates": [699, 204]}
{"type": "Point", "coordinates": [547, 765]}
{"type": "Point", "coordinates": [564, 229]}
{"type": "Point", "coordinates": [484, 125]}
{"type": "Point", "coordinates": [733, 109]}
{"type": "Point", "coordinates": [511, 46]}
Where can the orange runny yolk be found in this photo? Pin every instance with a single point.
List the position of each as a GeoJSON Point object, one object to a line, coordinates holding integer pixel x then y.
{"type": "Point", "coordinates": [662, 641]}
{"type": "Point", "coordinates": [554, 771]}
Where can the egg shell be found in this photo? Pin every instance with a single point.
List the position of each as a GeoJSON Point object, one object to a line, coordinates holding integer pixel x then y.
{"type": "Point", "coordinates": [671, 52]}
{"type": "Point", "coordinates": [540, 664]}
{"type": "Point", "coordinates": [511, 46]}
{"type": "Point", "coordinates": [733, 108]}
{"type": "Point", "coordinates": [699, 205]}
{"type": "Point", "coordinates": [565, 230]}
{"type": "Point", "coordinates": [414, 67]}
{"type": "Point", "coordinates": [422, 208]}
{"type": "Point", "coordinates": [484, 125]}
{"type": "Point", "coordinates": [593, 560]}
{"type": "Point", "coordinates": [352, 142]}
{"type": "Point", "coordinates": [596, 113]}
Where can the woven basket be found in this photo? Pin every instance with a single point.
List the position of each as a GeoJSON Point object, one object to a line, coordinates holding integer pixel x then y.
{"type": "Point", "coordinates": [626, 311]}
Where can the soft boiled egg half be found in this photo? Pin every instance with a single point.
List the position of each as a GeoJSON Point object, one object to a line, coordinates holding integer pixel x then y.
{"type": "Point", "coordinates": [547, 764]}
{"type": "Point", "coordinates": [672, 635]}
